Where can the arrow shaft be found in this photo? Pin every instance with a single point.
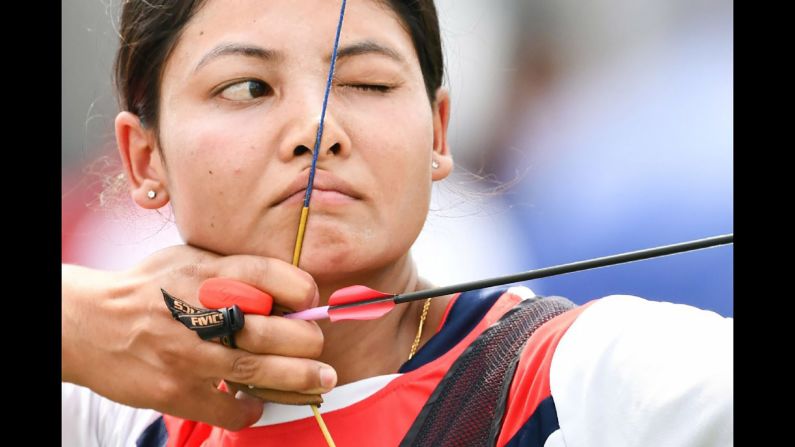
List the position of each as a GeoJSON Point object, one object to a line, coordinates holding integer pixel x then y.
{"type": "Point", "coordinates": [546, 272]}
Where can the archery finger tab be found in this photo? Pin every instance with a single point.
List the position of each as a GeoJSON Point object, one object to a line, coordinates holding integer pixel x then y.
{"type": "Point", "coordinates": [219, 323]}
{"type": "Point", "coordinates": [216, 293]}
{"type": "Point", "coordinates": [288, 285]}
{"type": "Point", "coordinates": [207, 323]}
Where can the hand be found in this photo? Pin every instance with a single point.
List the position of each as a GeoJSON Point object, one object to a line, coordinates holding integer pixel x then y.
{"type": "Point", "coordinates": [120, 340]}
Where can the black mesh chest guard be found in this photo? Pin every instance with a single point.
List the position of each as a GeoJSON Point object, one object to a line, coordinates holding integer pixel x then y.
{"type": "Point", "coordinates": [468, 405]}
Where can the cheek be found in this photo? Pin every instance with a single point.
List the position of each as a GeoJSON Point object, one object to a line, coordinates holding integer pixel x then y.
{"type": "Point", "coordinates": [403, 158]}
{"type": "Point", "coordinates": [199, 164]}
{"type": "Point", "coordinates": [401, 163]}
{"type": "Point", "coordinates": [211, 172]}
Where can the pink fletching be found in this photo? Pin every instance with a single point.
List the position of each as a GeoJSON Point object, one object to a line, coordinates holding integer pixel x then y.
{"type": "Point", "coordinates": [315, 313]}
{"type": "Point", "coordinates": [352, 294]}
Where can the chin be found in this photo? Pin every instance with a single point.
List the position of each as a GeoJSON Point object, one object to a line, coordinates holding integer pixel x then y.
{"type": "Point", "coordinates": [344, 266]}
{"type": "Point", "coordinates": [331, 264]}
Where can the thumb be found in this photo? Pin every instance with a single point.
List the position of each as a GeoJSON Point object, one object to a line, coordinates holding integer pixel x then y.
{"type": "Point", "coordinates": [232, 412]}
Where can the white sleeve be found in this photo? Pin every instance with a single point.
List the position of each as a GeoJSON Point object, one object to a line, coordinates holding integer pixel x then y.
{"type": "Point", "coordinates": [632, 372]}
{"type": "Point", "coordinates": [90, 420]}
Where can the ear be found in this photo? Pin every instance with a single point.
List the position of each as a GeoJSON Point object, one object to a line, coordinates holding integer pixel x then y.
{"type": "Point", "coordinates": [441, 150]}
{"type": "Point", "coordinates": [143, 164]}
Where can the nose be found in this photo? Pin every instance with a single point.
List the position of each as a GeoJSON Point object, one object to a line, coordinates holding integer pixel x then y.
{"type": "Point", "coordinates": [335, 145]}
{"type": "Point", "coordinates": [335, 149]}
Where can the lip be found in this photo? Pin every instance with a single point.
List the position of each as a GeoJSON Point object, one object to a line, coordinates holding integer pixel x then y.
{"type": "Point", "coordinates": [324, 181]}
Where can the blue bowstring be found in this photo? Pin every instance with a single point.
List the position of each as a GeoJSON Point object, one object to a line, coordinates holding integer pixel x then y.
{"type": "Point", "coordinates": [316, 151]}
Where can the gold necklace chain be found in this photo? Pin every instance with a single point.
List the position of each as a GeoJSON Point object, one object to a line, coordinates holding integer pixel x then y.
{"type": "Point", "coordinates": [416, 343]}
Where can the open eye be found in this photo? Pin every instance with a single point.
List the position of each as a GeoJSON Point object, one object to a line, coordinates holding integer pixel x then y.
{"type": "Point", "coordinates": [245, 90]}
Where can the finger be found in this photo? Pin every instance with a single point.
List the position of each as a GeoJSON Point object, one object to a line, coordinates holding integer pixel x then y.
{"type": "Point", "coordinates": [284, 373]}
{"type": "Point", "coordinates": [290, 286]}
{"type": "Point", "coordinates": [280, 336]}
{"type": "Point", "coordinates": [266, 371]}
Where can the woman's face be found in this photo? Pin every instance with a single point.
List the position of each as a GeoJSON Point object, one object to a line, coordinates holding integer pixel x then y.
{"type": "Point", "coordinates": [240, 101]}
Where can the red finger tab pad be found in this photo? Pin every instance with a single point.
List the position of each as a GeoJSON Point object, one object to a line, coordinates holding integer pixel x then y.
{"type": "Point", "coordinates": [354, 294]}
{"type": "Point", "coordinates": [216, 293]}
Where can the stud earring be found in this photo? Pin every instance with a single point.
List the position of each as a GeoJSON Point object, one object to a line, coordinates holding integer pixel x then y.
{"type": "Point", "coordinates": [151, 194]}
{"type": "Point", "coordinates": [435, 164]}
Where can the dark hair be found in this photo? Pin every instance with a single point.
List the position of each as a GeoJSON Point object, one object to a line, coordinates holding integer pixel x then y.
{"type": "Point", "coordinates": [422, 23]}
{"type": "Point", "coordinates": [150, 29]}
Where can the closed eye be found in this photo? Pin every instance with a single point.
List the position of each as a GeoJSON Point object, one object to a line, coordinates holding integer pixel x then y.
{"type": "Point", "coordinates": [380, 88]}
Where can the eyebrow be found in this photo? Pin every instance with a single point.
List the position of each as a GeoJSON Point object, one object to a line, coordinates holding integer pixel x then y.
{"type": "Point", "coordinates": [241, 50]}
{"type": "Point", "coordinates": [368, 47]}
{"type": "Point", "coordinates": [356, 49]}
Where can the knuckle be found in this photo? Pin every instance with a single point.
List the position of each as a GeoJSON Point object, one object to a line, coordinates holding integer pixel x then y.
{"type": "Point", "coordinates": [306, 290]}
{"type": "Point", "coordinates": [171, 353]}
{"type": "Point", "coordinates": [260, 269]}
{"type": "Point", "coordinates": [265, 332]}
{"type": "Point", "coordinates": [244, 368]}
{"type": "Point", "coordinates": [308, 379]}
{"type": "Point", "coordinates": [190, 270]}
{"type": "Point", "coordinates": [168, 391]}
{"type": "Point", "coordinates": [264, 267]}
{"type": "Point", "coordinates": [314, 350]}
{"type": "Point", "coordinates": [316, 342]}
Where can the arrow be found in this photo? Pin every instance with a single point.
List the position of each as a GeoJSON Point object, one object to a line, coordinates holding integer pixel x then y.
{"type": "Point", "coordinates": [363, 303]}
